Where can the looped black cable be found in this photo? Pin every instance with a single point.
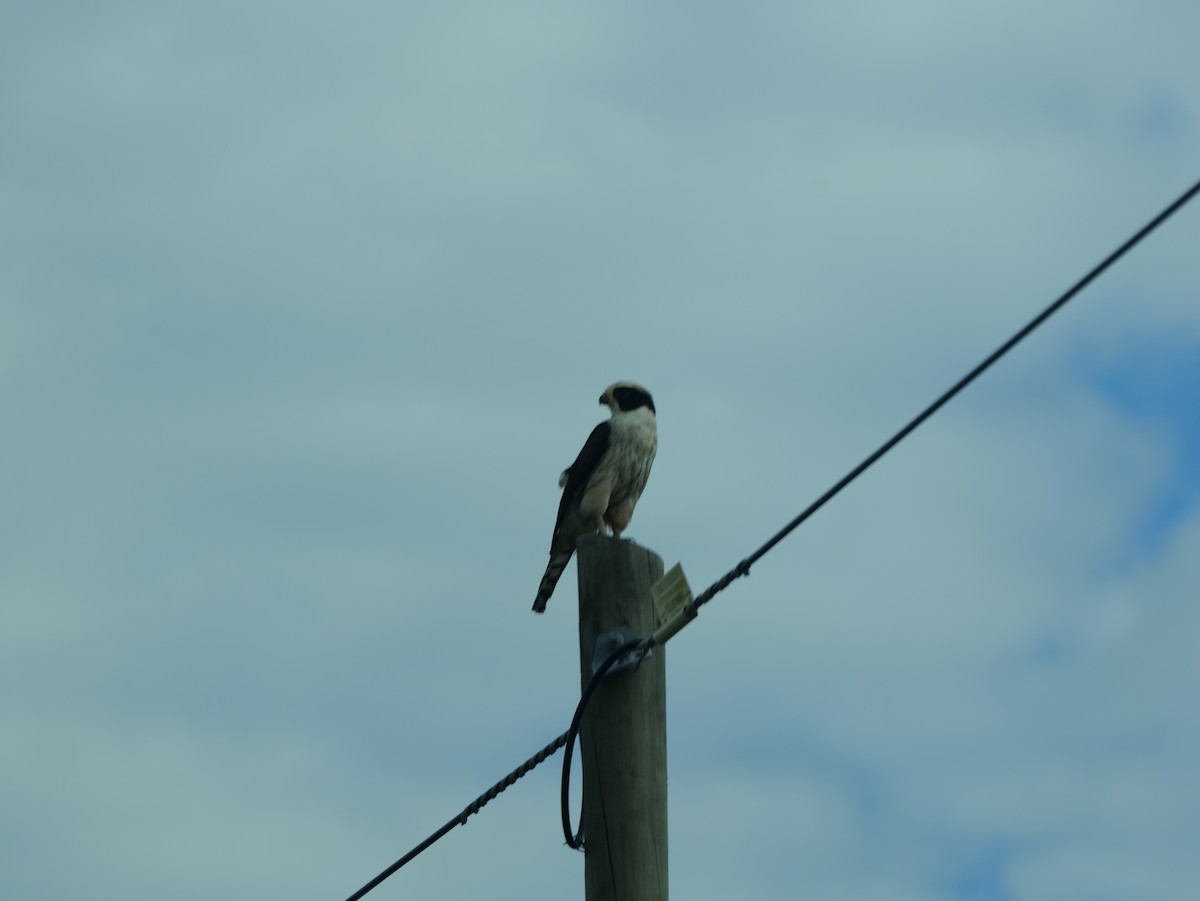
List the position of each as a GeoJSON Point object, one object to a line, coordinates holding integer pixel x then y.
{"type": "Point", "coordinates": [575, 838]}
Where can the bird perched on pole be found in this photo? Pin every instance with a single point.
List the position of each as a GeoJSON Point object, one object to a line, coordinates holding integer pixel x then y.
{"type": "Point", "coordinates": [602, 486]}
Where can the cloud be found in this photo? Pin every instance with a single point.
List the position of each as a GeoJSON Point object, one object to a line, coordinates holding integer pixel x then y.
{"type": "Point", "coordinates": [305, 314]}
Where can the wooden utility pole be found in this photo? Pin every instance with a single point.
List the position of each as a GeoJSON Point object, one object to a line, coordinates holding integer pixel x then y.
{"type": "Point", "coordinates": [623, 736]}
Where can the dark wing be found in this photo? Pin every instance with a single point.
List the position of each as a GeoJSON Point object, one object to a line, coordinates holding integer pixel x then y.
{"type": "Point", "coordinates": [578, 472]}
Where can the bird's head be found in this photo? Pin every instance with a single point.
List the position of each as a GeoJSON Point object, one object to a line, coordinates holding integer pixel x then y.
{"type": "Point", "coordinates": [623, 397]}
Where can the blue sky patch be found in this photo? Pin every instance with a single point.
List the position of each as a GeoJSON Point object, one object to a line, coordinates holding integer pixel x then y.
{"type": "Point", "coordinates": [1155, 381]}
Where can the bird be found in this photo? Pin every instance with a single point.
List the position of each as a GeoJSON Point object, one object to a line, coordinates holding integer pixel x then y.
{"type": "Point", "coordinates": [602, 486]}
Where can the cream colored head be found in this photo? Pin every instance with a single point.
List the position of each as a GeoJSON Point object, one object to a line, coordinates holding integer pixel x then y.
{"type": "Point", "coordinates": [623, 397]}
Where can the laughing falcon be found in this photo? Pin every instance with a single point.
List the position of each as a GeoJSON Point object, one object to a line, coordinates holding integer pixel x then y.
{"type": "Point", "coordinates": [602, 486]}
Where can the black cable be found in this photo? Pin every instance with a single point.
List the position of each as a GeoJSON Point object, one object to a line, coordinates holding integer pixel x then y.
{"type": "Point", "coordinates": [567, 739]}
{"type": "Point", "coordinates": [743, 568]}
{"type": "Point", "coordinates": [472, 808]}
{"type": "Point", "coordinates": [575, 838]}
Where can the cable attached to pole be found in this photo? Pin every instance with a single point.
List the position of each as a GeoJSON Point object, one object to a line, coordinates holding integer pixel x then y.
{"type": "Point", "coordinates": [669, 629]}
{"type": "Point", "coordinates": [642, 646]}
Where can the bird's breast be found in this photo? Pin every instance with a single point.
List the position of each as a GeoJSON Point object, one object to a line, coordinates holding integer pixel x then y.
{"type": "Point", "coordinates": [632, 445]}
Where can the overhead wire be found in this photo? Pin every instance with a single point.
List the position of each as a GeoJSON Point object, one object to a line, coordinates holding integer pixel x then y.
{"type": "Point", "coordinates": [671, 628]}
{"type": "Point", "coordinates": [743, 568]}
{"type": "Point", "coordinates": [473, 808]}
{"type": "Point", "coordinates": [689, 612]}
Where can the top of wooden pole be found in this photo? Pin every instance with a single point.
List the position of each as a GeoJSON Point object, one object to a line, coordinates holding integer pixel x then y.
{"type": "Point", "coordinates": [623, 738]}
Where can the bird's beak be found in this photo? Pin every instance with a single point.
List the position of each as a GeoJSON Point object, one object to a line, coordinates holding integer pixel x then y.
{"type": "Point", "coordinates": [604, 398]}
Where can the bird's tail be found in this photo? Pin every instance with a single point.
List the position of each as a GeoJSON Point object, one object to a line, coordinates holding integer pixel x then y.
{"type": "Point", "coordinates": [559, 558]}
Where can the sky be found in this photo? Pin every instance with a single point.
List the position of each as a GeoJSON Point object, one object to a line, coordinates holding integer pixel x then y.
{"type": "Point", "coordinates": [304, 307]}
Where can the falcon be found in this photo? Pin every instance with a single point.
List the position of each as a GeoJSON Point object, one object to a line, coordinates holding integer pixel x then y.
{"type": "Point", "coordinates": [602, 486]}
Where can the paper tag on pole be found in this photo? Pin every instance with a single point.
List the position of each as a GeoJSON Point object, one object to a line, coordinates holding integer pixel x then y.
{"type": "Point", "coordinates": [671, 593]}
